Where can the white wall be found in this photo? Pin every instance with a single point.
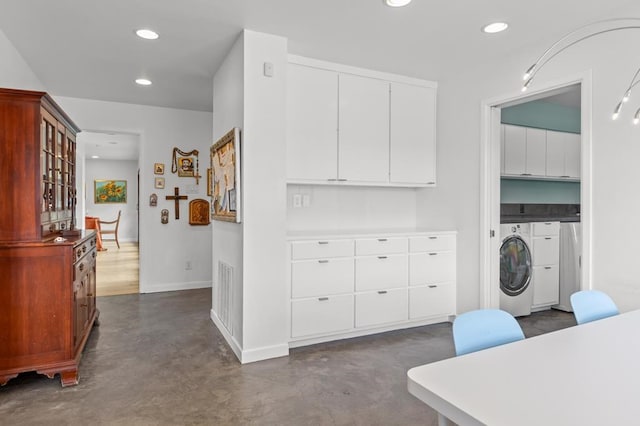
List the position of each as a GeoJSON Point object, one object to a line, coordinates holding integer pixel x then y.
{"type": "Point", "coordinates": [164, 249]}
{"type": "Point", "coordinates": [114, 170]}
{"type": "Point", "coordinates": [615, 151]}
{"type": "Point", "coordinates": [15, 73]}
{"type": "Point", "coordinates": [351, 208]}
{"type": "Point", "coordinates": [228, 108]}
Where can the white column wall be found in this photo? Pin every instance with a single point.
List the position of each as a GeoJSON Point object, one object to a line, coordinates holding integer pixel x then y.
{"type": "Point", "coordinates": [15, 73]}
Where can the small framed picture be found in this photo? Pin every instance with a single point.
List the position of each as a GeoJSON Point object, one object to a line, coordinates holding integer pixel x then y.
{"type": "Point", "coordinates": [185, 166]}
{"type": "Point", "coordinates": [158, 168]}
{"type": "Point", "coordinates": [159, 183]}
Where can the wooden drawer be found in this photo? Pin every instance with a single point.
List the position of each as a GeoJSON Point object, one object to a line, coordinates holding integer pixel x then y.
{"type": "Point", "coordinates": [381, 272]}
{"type": "Point", "coordinates": [320, 249]}
{"type": "Point", "coordinates": [431, 243]}
{"type": "Point", "coordinates": [545, 228]}
{"type": "Point", "coordinates": [430, 268]}
{"type": "Point", "coordinates": [381, 307]}
{"type": "Point", "coordinates": [432, 300]}
{"type": "Point", "coordinates": [546, 251]}
{"type": "Point", "coordinates": [321, 315]}
{"type": "Point", "coordinates": [372, 246]}
{"type": "Point", "coordinates": [321, 277]}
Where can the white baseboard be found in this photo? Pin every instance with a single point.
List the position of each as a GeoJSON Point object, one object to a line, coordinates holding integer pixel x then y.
{"type": "Point", "coordinates": [231, 341]}
{"type": "Point", "coordinates": [157, 288]}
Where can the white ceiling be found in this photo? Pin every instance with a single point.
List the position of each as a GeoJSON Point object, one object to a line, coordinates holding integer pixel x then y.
{"type": "Point", "coordinates": [88, 49]}
{"type": "Point", "coordinates": [110, 145]}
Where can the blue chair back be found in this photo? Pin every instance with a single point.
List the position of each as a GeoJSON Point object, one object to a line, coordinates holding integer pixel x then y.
{"type": "Point", "coordinates": [592, 305]}
{"type": "Point", "coordinates": [484, 328]}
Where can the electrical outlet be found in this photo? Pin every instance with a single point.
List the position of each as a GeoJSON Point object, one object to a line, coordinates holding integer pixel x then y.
{"type": "Point", "coordinates": [297, 201]}
{"type": "Point", "coordinates": [187, 265]}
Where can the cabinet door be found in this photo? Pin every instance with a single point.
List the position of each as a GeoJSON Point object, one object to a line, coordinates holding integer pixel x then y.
{"type": "Point", "coordinates": [321, 277]}
{"type": "Point", "coordinates": [380, 272]}
{"type": "Point", "coordinates": [546, 285]}
{"type": "Point", "coordinates": [432, 300]}
{"type": "Point", "coordinates": [502, 150]}
{"type": "Point", "coordinates": [312, 123]}
{"type": "Point", "coordinates": [363, 148]}
{"type": "Point", "coordinates": [413, 134]}
{"type": "Point", "coordinates": [536, 152]}
{"type": "Point", "coordinates": [515, 150]}
{"type": "Point", "coordinates": [321, 315]}
{"type": "Point", "coordinates": [555, 154]}
{"type": "Point", "coordinates": [572, 155]}
{"type": "Point", "coordinates": [546, 250]}
{"type": "Point", "coordinates": [429, 268]}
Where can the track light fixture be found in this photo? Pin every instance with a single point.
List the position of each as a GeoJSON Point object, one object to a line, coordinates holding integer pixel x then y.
{"type": "Point", "coordinates": [583, 33]}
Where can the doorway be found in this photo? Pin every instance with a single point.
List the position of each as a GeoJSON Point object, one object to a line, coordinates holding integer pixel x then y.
{"type": "Point", "coordinates": [113, 156]}
{"type": "Point", "coordinates": [491, 185]}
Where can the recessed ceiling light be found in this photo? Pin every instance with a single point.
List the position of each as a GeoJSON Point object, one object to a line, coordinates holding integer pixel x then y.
{"type": "Point", "coordinates": [95, 156]}
{"type": "Point", "coordinates": [143, 82]}
{"type": "Point", "coordinates": [495, 27]}
{"type": "Point", "coordinates": [113, 142]}
{"type": "Point", "coordinates": [147, 34]}
{"type": "Point", "coordinates": [397, 3]}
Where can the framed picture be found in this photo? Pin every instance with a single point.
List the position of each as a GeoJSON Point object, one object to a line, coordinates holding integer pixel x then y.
{"type": "Point", "coordinates": [159, 183]}
{"type": "Point", "coordinates": [110, 191]}
{"type": "Point", "coordinates": [185, 166]}
{"type": "Point", "coordinates": [209, 182]}
{"type": "Point", "coordinates": [158, 168]}
{"type": "Point", "coordinates": [225, 166]}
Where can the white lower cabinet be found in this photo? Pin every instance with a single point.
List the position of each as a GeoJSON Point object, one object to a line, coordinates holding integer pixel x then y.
{"type": "Point", "coordinates": [432, 300]}
{"type": "Point", "coordinates": [321, 315]}
{"type": "Point", "coordinates": [546, 285]}
{"type": "Point", "coordinates": [360, 284]}
{"type": "Point", "coordinates": [545, 277]}
{"type": "Point", "coordinates": [381, 307]}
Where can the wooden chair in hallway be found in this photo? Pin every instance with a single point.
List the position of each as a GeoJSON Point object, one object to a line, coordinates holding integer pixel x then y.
{"type": "Point", "coordinates": [111, 231]}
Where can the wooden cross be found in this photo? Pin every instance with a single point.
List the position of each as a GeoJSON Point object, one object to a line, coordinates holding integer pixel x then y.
{"type": "Point", "coordinates": [177, 197]}
{"type": "Point", "coordinates": [197, 176]}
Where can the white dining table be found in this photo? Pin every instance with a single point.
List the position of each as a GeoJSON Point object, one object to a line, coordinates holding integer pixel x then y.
{"type": "Point", "coordinates": [583, 375]}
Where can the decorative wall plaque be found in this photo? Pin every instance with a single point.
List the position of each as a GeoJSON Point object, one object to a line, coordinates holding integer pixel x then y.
{"type": "Point", "coordinates": [153, 200]}
{"type": "Point", "coordinates": [199, 212]}
{"type": "Point", "coordinates": [164, 216]}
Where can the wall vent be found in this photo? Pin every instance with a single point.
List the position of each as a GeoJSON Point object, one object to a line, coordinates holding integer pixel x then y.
{"type": "Point", "coordinates": [225, 294]}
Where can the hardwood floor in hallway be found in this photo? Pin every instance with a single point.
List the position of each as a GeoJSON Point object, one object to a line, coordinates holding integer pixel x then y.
{"type": "Point", "coordinates": [118, 270]}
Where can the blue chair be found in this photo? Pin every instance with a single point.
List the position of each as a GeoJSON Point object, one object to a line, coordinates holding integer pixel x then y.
{"type": "Point", "coordinates": [484, 328]}
{"type": "Point", "coordinates": [592, 305]}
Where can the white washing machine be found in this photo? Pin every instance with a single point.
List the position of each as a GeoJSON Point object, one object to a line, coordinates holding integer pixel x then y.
{"type": "Point", "coordinates": [516, 290]}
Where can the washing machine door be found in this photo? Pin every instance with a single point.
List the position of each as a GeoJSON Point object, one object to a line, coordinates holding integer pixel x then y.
{"type": "Point", "coordinates": [515, 265]}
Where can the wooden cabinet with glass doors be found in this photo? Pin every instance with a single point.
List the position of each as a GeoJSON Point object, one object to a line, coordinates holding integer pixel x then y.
{"type": "Point", "coordinates": [47, 284]}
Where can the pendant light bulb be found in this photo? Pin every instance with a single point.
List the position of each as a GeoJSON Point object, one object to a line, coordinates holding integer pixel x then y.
{"type": "Point", "coordinates": [626, 96]}
{"type": "Point", "coordinates": [526, 84]}
{"type": "Point", "coordinates": [616, 112]}
{"type": "Point", "coordinates": [527, 74]}
{"type": "Point", "coordinates": [636, 117]}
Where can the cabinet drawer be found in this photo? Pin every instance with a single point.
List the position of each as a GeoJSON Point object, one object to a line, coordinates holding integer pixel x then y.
{"type": "Point", "coordinates": [321, 315]}
{"type": "Point", "coordinates": [432, 300]}
{"type": "Point", "coordinates": [432, 243]}
{"type": "Point", "coordinates": [546, 285]}
{"type": "Point", "coordinates": [380, 272]}
{"type": "Point", "coordinates": [319, 249]}
{"type": "Point", "coordinates": [546, 251]}
{"type": "Point", "coordinates": [545, 228]}
{"type": "Point", "coordinates": [429, 268]}
{"type": "Point", "coordinates": [321, 277]}
{"type": "Point", "coordinates": [371, 246]}
{"type": "Point", "coordinates": [381, 307]}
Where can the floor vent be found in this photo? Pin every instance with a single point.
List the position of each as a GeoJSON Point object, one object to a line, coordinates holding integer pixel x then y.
{"type": "Point", "coordinates": [225, 294]}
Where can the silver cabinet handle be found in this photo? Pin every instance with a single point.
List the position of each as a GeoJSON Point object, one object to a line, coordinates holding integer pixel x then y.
{"type": "Point", "coordinates": [323, 261]}
{"type": "Point", "coordinates": [323, 299]}
{"type": "Point", "coordinates": [323, 242]}
{"type": "Point", "coordinates": [547, 267]}
{"type": "Point", "coordinates": [547, 223]}
{"type": "Point", "coordinates": [382, 240]}
{"type": "Point", "coordinates": [547, 238]}
{"type": "Point", "coordinates": [433, 238]}
{"type": "Point", "coordinates": [382, 292]}
{"type": "Point", "coordinates": [382, 257]}
{"type": "Point", "coordinates": [433, 286]}
{"type": "Point", "coordinates": [342, 180]}
{"type": "Point", "coordinates": [433, 254]}
{"type": "Point", "coordinates": [431, 183]}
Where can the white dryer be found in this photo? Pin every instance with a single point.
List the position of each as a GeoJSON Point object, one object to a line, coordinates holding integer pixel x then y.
{"type": "Point", "coordinates": [516, 290]}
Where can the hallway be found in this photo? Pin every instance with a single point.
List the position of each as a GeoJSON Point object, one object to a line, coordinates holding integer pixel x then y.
{"type": "Point", "coordinates": [118, 270]}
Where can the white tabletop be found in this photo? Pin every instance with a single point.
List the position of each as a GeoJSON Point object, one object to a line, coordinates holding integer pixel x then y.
{"type": "Point", "coordinates": [583, 375]}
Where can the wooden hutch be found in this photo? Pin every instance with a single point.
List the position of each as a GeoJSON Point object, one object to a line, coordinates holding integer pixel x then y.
{"type": "Point", "coordinates": [47, 266]}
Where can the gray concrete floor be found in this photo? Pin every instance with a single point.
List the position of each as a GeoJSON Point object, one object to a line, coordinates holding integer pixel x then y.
{"type": "Point", "coordinates": [158, 359]}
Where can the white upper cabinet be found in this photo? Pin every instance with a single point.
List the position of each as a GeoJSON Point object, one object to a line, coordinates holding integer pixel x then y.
{"type": "Point", "coordinates": [538, 153]}
{"type": "Point", "coordinates": [312, 123]}
{"type": "Point", "coordinates": [350, 126]}
{"type": "Point", "coordinates": [413, 134]}
{"type": "Point", "coordinates": [563, 155]}
{"type": "Point", "coordinates": [363, 111]}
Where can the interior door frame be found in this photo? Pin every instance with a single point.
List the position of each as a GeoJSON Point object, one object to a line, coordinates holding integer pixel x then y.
{"type": "Point", "coordinates": [490, 182]}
